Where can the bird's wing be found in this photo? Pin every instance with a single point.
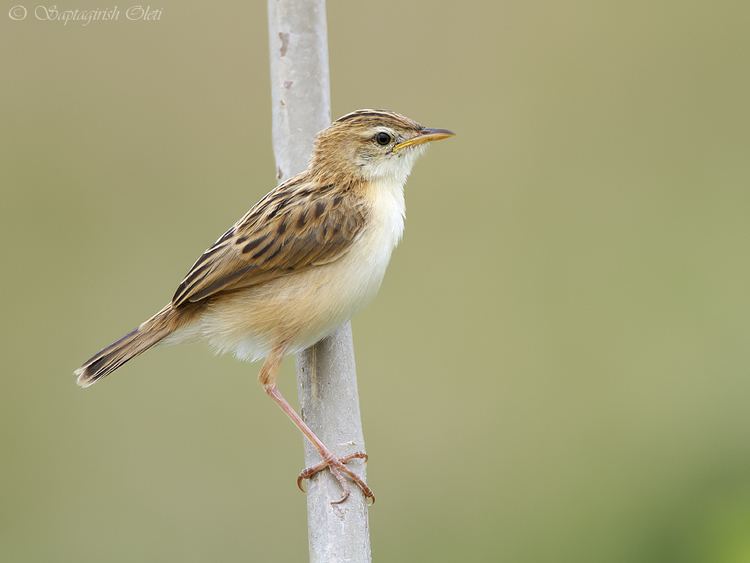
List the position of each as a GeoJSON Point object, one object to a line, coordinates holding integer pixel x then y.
{"type": "Point", "coordinates": [296, 226]}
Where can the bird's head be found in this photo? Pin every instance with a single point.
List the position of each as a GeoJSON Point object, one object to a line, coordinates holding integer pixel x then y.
{"type": "Point", "coordinates": [373, 145]}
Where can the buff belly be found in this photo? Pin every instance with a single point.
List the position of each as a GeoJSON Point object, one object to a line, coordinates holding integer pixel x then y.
{"type": "Point", "coordinates": [294, 311]}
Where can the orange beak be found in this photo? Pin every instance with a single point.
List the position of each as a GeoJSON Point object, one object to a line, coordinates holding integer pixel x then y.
{"type": "Point", "coordinates": [425, 136]}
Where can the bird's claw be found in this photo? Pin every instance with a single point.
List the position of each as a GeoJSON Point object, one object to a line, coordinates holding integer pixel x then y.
{"type": "Point", "coordinates": [338, 468]}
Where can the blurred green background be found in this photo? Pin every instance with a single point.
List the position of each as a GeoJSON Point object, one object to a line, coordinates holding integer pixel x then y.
{"type": "Point", "coordinates": [556, 368]}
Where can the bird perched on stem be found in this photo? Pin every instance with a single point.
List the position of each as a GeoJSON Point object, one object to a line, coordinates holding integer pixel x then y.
{"type": "Point", "coordinates": [301, 262]}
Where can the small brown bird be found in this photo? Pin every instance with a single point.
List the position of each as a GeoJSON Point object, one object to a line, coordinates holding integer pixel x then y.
{"type": "Point", "coordinates": [301, 262]}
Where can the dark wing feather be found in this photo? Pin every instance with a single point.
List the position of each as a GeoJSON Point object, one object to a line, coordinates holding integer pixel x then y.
{"type": "Point", "coordinates": [295, 227]}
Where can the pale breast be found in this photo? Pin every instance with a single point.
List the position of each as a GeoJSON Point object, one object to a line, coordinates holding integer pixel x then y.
{"type": "Point", "coordinates": [371, 253]}
{"type": "Point", "coordinates": [359, 274]}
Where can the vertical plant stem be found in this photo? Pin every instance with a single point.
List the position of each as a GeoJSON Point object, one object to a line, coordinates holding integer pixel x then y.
{"type": "Point", "coordinates": [326, 375]}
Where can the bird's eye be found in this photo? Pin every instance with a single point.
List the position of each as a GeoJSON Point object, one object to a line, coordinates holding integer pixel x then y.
{"type": "Point", "coordinates": [382, 138]}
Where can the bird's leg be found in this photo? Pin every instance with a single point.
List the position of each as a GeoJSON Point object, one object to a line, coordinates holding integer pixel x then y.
{"type": "Point", "coordinates": [337, 466]}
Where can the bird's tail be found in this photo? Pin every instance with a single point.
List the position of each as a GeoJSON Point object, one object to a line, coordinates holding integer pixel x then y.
{"type": "Point", "coordinates": [149, 333]}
